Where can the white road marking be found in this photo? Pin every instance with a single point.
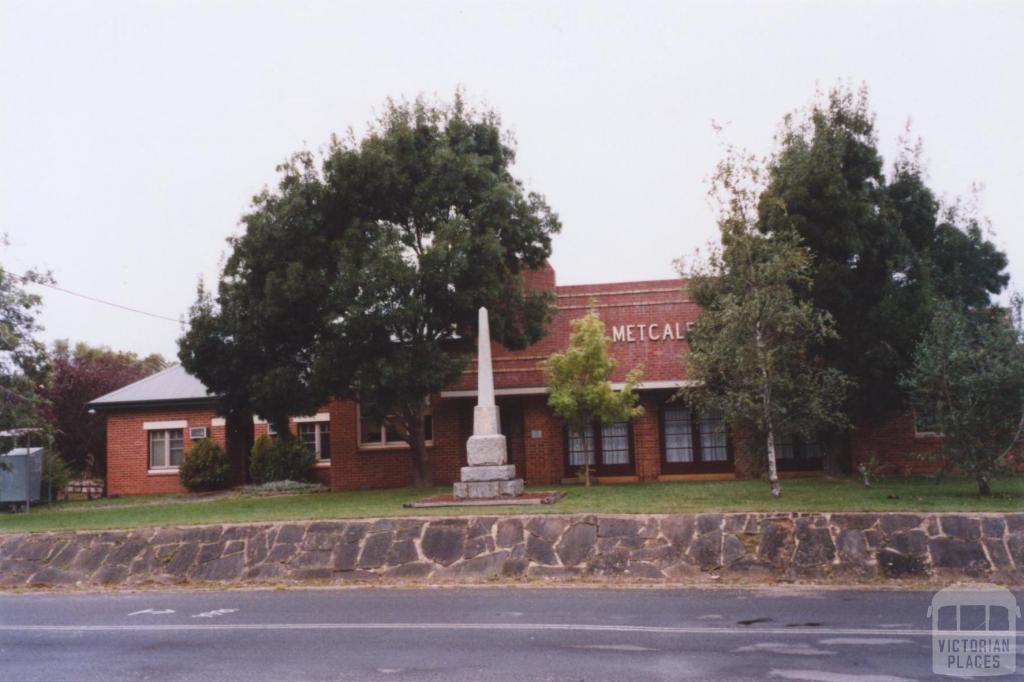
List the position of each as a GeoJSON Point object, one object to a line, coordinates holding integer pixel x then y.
{"type": "Point", "coordinates": [822, 676]}
{"type": "Point", "coordinates": [611, 647]}
{"type": "Point", "coordinates": [860, 641]}
{"type": "Point", "coordinates": [153, 612]}
{"type": "Point", "coordinates": [786, 649]}
{"type": "Point", "coordinates": [214, 613]}
{"type": "Point", "coordinates": [511, 627]}
{"type": "Point", "coordinates": [709, 616]}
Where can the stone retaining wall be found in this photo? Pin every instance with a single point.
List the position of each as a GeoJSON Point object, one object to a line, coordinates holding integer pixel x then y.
{"type": "Point", "coordinates": [839, 548]}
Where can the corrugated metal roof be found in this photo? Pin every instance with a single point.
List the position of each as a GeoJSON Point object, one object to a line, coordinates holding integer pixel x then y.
{"type": "Point", "coordinates": [173, 383]}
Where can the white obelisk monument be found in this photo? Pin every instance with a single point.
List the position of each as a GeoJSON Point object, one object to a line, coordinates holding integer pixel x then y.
{"type": "Point", "coordinates": [488, 474]}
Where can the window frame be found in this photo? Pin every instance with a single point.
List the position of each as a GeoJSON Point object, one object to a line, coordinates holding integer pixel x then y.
{"type": "Point", "coordinates": [384, 443]}
{"type": "Point", "coordinates": [166, 455]}
{"type": "Point", "coordinates": [599, 467]}
{"type": "Point", "coordinates": [698, 465]}
{"type": "Point", "coordinates": [321, 428]}
{"type": "Point", "coordinates": [919, 433]}
{"type": "Point", "coordinates": [800, 461]}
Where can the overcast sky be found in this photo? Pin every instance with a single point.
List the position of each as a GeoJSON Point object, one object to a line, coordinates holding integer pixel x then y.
{"type": "Point", "coordinates": [133, 134]}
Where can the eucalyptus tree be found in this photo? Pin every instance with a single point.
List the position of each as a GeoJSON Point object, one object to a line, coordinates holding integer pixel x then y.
{"type": "Point", "coordinates": [968, 377]}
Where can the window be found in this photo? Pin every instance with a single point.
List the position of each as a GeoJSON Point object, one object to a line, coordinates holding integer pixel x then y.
{"type": "Point", "coordinates": [693, 441]}
{"type": "Point", "coordinates": [797, 452]}
{"type": "Point", "coordinates": [615, 443]}
{"type": "Point", "coordinates": [607, 444]}
{"type": "Point", "coordinates": [576, 449]}
{"type": "Point", "coordinates": [678, 434]}
{"type": "Point", "coordinates": [198, 432]}
{"type": "Point", "coordinates": [317, 437]}
{"type": "Point", "coordinates": [385, 433]}
{"type": "Point", "coordinates": [165, 448]}
{"type": "Point", "coordinates": [713, 442]}
{"type": "Point", "coordinates": [926, 424]}
{"type": "Point", "coordinates": [785, 446]}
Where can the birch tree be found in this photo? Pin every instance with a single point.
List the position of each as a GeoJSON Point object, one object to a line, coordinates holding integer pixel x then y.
{"type": "Point", "coordinates": [750, 350]}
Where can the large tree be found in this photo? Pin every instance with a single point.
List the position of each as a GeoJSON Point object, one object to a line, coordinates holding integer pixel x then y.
{"type": "Point", "coordinates": [882, 246]}
{"type": "Point", "coordinates": [751, 351]}
{"type": "Point", "coordinates": [968, 376]}
{"type": "Point", "coordinates": [361, 274]}
{"type": "Point", "coordinates": [78, 375]}
{"type": "Point", "coordinates": [22, 356]}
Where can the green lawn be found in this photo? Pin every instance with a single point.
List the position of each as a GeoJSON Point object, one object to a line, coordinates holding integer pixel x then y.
{"type": "Point", "coordinates": [807, 494]}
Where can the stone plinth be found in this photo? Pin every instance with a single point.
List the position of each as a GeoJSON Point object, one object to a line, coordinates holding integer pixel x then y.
{"type": "Point", "coordinates": [481, 489]}
{"type": "Point", "coordinates": [487, 451]}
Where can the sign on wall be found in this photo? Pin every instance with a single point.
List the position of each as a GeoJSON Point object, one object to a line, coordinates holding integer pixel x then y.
{"type": "Point", "coordinates": [655, 331]}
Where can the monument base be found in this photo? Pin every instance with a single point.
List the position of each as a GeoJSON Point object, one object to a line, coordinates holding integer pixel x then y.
{"type": "Point", "coordinates": [479, 489]}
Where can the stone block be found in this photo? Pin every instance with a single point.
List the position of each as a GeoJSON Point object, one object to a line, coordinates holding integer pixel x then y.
{"type": "Point", "coordinates": [489, 473]}
{"type": "Point", "coordinates": [961, 527]}
{"type": "Point", "coordinates": [577, 544]}
{"type": "Point", "coordinates": [486, 420]}
{"type": "Point", "coordinates": [814, 547]}
{"type": "Point", "coordinates": [895, 565]}
{"type": "Point", "coordinates": [482, 489]}
{"type": "Point", "coordinates": [510, 532]}
{"type": "Point", "coordinates": [707, 550]}
{"type": "Point", "coordinates": [486, 450]}
{"type": "Point", "coordinates": [443, 544]}
{"type": "Point", "coordinates": [965, 557]}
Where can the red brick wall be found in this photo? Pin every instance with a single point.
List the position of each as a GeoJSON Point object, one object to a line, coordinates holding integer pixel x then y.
{"type": "Point", "coordinates": [353, 468]}
{"type": "Point", "coordinates": [895, 446]}
{"type": "Point", "coordinates": [647, 437]}
{"type": "Point", "coordinates": [128, 449]}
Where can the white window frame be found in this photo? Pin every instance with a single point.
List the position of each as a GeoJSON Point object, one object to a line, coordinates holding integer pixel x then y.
{"type": "Point", "coordinates": [385, 444]}
{"type": "Point", "coordinates": [923, 434]}
{"type": "Point", "coordinates": [192, 432]}
{"type": "Point", "coordinates": [166, 467]}
{"type": "Point", "coordinates": [318, 426]}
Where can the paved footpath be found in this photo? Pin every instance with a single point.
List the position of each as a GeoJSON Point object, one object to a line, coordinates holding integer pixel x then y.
{"type": "Point", "coordinates": [478, 634]}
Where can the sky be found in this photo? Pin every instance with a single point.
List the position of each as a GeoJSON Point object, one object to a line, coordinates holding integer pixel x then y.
{"type": "Point", "coordinates": [133, 135]}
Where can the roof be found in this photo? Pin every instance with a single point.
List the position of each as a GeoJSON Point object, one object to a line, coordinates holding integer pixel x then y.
{"type": "Point", "coordinates": [21, 452]}
{"type": "Point", "coordinates": [173, 384]}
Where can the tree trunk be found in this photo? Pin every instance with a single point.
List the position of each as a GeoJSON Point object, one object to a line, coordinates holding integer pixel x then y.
{"type": "Point", "coordinates": [766, 406]}
{"type": "Point", "coordinates": [586, 460]}
{"type": "Point", "coordinates": [418, 451]}
{"type": "Point", "coordinates": [773, 471]}
{"type": "Point", "coordinates": [239, 434]}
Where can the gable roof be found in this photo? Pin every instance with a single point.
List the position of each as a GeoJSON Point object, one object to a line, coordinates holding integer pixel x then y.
{"type": "Point", "coordinates": [173, 384]}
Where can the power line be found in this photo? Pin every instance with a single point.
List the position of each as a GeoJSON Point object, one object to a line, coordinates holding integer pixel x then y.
{"type": "Point", "coordinates": [26, 280]}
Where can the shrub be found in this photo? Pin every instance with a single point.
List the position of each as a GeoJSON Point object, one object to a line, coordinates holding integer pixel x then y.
{"type": "Point", "coordinates": [280, 459]}
{"type": "Point", "coordinates": [204, 467]}
{"type": "Point", "coordinates": [55, 473]}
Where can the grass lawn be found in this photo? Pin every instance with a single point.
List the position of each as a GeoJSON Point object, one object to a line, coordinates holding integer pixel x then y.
{"type": "Point", "coordinates": [805, 494]}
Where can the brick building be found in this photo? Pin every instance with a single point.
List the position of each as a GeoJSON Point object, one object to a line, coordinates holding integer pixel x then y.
{"type": "Point", "coordinates": [152, 422]}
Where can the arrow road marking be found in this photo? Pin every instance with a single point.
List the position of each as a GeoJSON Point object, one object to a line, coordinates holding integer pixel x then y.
{"type": "Point", "coordinates": [151, 611]}
{"type": "Point", "coordinates": [214, 613]}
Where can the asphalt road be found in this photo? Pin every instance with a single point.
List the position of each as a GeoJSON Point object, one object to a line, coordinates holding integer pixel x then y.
{"type": "Point", "coordinates": [477, 634]}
